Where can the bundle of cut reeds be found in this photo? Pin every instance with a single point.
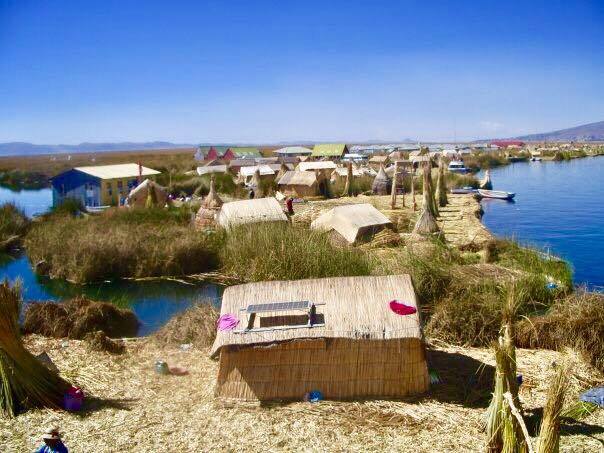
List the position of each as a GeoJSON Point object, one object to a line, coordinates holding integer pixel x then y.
{"type": "Point", "coordinates": [24, 381]}
{"type": "Point", "coordinates": [549, 433]}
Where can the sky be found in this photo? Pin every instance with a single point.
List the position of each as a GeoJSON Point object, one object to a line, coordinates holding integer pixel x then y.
{"type": "Point", "coordinates": [278, 71]}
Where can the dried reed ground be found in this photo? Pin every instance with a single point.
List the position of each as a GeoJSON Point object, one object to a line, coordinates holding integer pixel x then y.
{"type": "Point", "coordinates": [180, 413]}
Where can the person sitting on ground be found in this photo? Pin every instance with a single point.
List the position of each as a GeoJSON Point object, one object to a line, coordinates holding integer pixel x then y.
{"type": "Point", "coordinates": [52, 442]}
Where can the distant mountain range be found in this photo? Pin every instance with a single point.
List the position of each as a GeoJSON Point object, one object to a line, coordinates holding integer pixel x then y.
{"type": "Point", "coordinates": [29, 149]}
{"type": "Point", "coordinates": [593, 132]}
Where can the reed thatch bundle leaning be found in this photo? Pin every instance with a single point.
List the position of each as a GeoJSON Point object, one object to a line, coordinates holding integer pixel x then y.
{"type": "Point", "coordinates": [24, 381]}
{"type": "Point", "coordinates": [426, 223]}
{"type": "Point", "coordinates": [549, 433]}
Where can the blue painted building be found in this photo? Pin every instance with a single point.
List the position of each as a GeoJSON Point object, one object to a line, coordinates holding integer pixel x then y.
{"type": "Point", "coordinates": [96, 186]}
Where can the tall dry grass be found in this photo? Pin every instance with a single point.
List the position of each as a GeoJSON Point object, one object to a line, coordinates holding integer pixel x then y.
{"type": "Point", "coordinates": [121, 243]}
{"type": "Point", "coordinates": [576, 321]}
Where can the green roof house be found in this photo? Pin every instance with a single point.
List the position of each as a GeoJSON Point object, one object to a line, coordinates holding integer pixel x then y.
{"type": "Point", "coordinates": [334, 150]}
{"type": "Point", "coordinates": [241, 153]}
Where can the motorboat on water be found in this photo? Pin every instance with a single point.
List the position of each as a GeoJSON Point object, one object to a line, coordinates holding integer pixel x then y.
{"type": "Point", "coordinates": [457, 166]}
{"type": "Point", "coordinates": [498, 194]}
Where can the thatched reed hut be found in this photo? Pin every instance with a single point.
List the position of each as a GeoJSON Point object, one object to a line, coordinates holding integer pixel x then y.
{"type": "Point", "coordinates": [299, 184]}
{"type": "Point", "coordinates": [353, 222]}
{"type": "Point", "coordinates": [336, 335]}
{"type": "Point", "coordinates": [147, 192]}
{"type": "Point", "coordinates": [382, 183]}
{"type": "Point", "coordinates": [250, 211]}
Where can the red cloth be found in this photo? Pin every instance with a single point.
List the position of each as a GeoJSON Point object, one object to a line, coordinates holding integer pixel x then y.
{"type": "Point", "coordinates": [401, 309]}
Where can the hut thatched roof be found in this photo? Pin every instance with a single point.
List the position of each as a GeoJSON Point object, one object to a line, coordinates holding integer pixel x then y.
{"type": "Point", "coordinates": [354, 308]}
{"type": "Point", "coordinates": [298, 178]}
{"type": "Point", "coordinates": [206, 170]}
{"type": "Point", "coordinates": [251, 211]}
{"type": "Point", "coordinates": [343, 172]}
{"type": "Point", "coordinates": [138, 195]}
{"type": "Point", "coordinates": [262, 169]}
{"type": "Point", "coordinates": [350, 220]}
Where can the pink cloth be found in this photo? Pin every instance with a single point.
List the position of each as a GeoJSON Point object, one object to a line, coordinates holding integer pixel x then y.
{"type": "Point", "coordinates": [227, 322]}
{"type": "Point", "coordinates": [401, 309]}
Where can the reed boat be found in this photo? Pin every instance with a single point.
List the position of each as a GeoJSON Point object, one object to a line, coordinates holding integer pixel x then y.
{"type": "Point", "coordinates": [498, 194]}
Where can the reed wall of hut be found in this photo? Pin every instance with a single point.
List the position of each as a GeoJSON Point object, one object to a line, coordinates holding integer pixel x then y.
{"type": "Point", "coordinates": [341, 368]}
{"type": "Point", "coordinates": [362, 349]}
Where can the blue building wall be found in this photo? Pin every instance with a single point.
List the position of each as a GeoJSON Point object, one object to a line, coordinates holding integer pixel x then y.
{"type": "Point", "coordinates": [77, 185]}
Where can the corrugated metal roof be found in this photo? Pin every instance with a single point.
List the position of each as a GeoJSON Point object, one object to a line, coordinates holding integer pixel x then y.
{"type": "Point", "coordinates": [246, 151]}
{"type": "Point", "coordinates": [321, 165]}
{"type": "Point", "coordinates": [293, 150]}
{"type": "Point", "coordinates": [116, 171]}
{"type": "Point", "coordinates": [329, 150]}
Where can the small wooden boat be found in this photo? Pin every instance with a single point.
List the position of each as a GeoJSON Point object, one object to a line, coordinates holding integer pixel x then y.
{"type": "Point", "coordinates": [498, 194]}
{"type": "Point", "coordinates": [463, 190]}
{"type": "Point", "coordinates": [536, 159]}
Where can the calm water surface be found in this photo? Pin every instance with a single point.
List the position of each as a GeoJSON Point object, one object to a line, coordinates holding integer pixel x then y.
{"type": "Point", "coordinates": [559, 206]}
{"type": "Point", "coordinates": [154, 302]}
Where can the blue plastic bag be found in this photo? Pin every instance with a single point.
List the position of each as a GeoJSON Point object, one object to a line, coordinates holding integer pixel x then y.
{"type": "Point", "coordinates": [595, 396]}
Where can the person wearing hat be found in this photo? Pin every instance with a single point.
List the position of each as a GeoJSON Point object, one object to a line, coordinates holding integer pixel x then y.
{"type": "Point", "coordinates": [52, 442]}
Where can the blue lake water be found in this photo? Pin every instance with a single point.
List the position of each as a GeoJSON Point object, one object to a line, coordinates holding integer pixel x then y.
{"type": "Point", "coordinates": [154, 302]}
{"type": "Point", "coordinates": [558, 206]}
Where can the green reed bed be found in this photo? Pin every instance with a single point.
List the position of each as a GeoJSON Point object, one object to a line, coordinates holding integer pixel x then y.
{"type": "Point", "coordinates": [120, 244]}
{"type": "Point", "coordinates": [13, 224]}
{"type": "Point", "coordinates": [279, 251]}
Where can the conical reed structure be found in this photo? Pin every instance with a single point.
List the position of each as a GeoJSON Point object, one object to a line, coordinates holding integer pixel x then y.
{"type": "Point", "coordinates": [486, 182]}
{"type": "Point", "coordinates": [441, 186]}
{"type": "Point", "coordinates": [212, 200]}
{"type": "Point", "coordinates": [256, 183]}
{"type": "Point", "coordinates": [426, 223]}
{"type": "Point", "coordinates": [24, 381]}
{"type": "Point", "coordinates": [381, 183]}
{"type": "Point", "coordinates": [151, 201]}
{"type": "Point", "coordinates": [348, 191]}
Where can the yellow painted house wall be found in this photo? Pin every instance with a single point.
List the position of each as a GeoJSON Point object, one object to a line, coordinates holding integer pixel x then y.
{"type": "Point", "coordinates": [111, 199]}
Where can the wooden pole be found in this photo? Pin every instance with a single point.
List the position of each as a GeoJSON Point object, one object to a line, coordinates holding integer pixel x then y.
{"type": "Point", "coordinates": [393, 192]}
{"type": "Point", "coordinates": [413, 188]}
{"type": "Point", "coordinates": [403, 184]}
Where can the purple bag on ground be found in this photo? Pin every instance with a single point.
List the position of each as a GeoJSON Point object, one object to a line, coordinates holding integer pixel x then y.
{"type": "Point", "coordinates": [227, 321]}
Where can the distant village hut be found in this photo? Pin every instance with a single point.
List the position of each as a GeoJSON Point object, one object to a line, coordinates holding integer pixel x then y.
{"type": "Point", "coordinates": [264, 173]}
{"type": "Point", "coordinates": [293, 151]}
{"type": "Point", "coordinates": [250, 211]}
{"type": "Point", "coordinates": [322, 168]}
{"type": "Point", "coordinates": [242, 152]}
{"type": "Point", "coordinates": [299, 184]}
{"type": "Point", "coordinates": [377, 161]}
{"type": "Point", "coordinates": [382, 184]}
{"type": "Point", "coordinates": [336, 335]}
{"type": "Point", "coordinates": [235, 165]}
{"type": "Point", "coordinates": [147, 192]}
{"type": "Point", "coordinates": [353, 222]}
{"type": "Point", "coordinates": [329, 151]}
